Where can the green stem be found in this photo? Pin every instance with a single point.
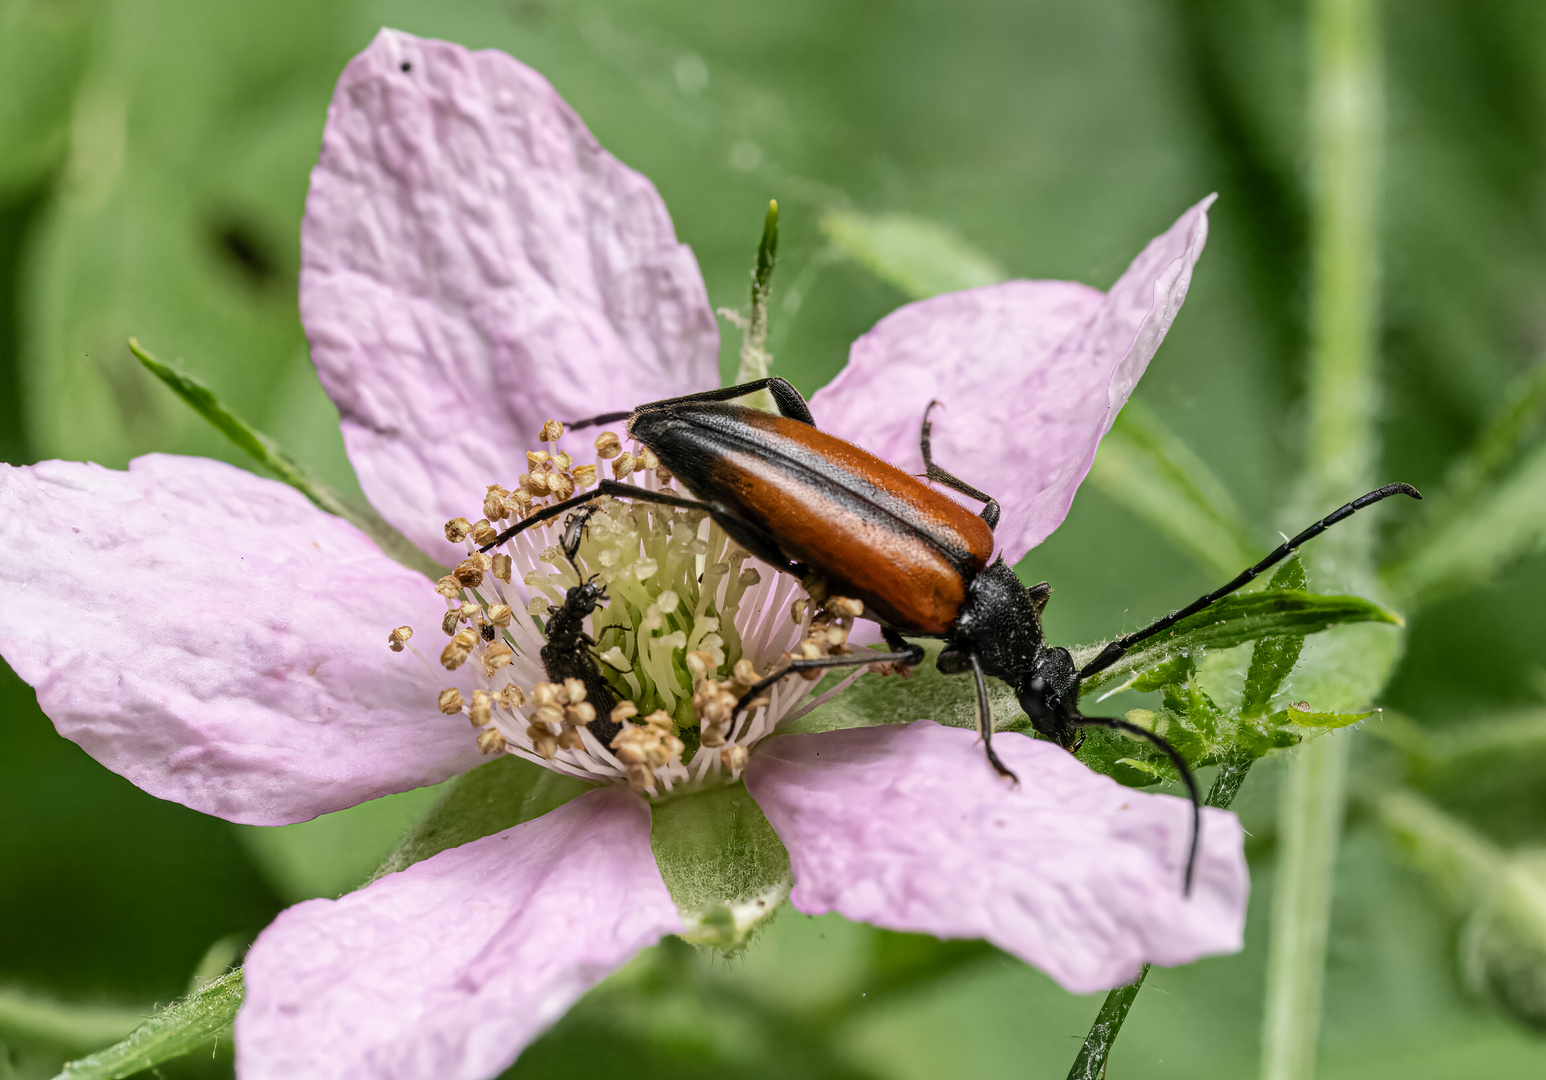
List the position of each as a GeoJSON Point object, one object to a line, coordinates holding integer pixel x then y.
{"type": "Point", "coordinates": [1345, 152]}
{"type": "Point", "coordinates": [1091, 1062]}
{"type": "Point", "coordinates": [755, 360]}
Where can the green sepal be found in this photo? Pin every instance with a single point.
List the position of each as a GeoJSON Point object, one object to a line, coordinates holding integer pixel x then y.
{"type": "Point", "coordinates": [491, 798]}
{"type": "Point", "coordinates": [1325, 721]}
{"type": "Point", "coordinates": [1234, 621]}
{"type": "Point", "coordinates": [724, 865]}
{"type": "Point", "coordinates": [170, 1033]}
{"type": "Point", "coordinates": [268, 453]}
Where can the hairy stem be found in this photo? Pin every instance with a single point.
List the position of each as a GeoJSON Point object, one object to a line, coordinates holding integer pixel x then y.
{"type": "Point", "coordinates": [1345, 125]}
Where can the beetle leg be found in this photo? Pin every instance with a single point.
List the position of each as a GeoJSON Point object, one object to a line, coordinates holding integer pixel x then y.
{"type": "Point", "coordinates": [910, 655]}
{"type": "Point", "coordinates": [990, 510]}
{"type": "Point", "coordinates": [985, 721]}
{"type": "Point", "coordinates": [739, 530]}
{"type": "Point", "coordinates": [1175, 759]}
{"type": "Point", "coordinates": [899, 644]}
{"type": "Point", "coordinates": [785, 396]}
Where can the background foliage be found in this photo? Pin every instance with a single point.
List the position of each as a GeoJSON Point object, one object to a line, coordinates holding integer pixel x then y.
{"type": "Point", "coordinates": [155, 165]}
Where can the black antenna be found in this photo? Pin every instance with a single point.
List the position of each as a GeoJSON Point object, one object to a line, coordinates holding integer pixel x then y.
{"type": "Point", "coordinates": [1118, 648]}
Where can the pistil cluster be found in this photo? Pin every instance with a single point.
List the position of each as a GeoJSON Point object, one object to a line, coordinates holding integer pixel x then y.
{"type": "Point", "coordinates": [687, 624]}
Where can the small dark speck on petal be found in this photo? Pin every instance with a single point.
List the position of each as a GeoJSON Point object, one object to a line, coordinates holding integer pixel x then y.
{"type": "Point", "coordinates": [407, 66]}
{"type": "Point", "coordinates": [74, 528]}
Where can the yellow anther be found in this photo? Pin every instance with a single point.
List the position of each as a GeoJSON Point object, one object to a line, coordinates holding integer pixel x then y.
{"type": "Point", "coordinates": [734, 758]}
{"type": "Point", "coordinates": [480, 711]}
{"type": "Point", "coordinates": [563, 461]}
{"type": "Point", "coordinates": [545, 743]}
{"type": "Point", "coordinates": [448, 587]}
{"type": "Point", "coordinates": [624, 711]}
{"type": "Point", "coordinates": [457, 530]}
{"type": "Point", "coordinates": [510, 698]}
{"type": "Point", "coordinates": [500, 615]}
{"type": "Point", "coordinates": [490, 741]}
{"type": "Point", "coordinates": [537, 459]}
{"type": "Point", "coordinates": [551, 431]}
{"type": "Point", "coordinates": [494, 507]}
{"type": "Point", "coordinates": [458, 649]}
{"type": "Point", "coordinates": [663, 474]}
{"type": "Point", "coordinates": [608, 445]}
{"type": "Point", "coordinates": [641, 779]}
{"type": "Point", "coordinates": [399, 637]}
{"type": "Point", "coordinates": [468, 573]}
{"type": "Point", "coordinates": [844, 607]}
{"type": "Point", "coordinates": [496, 656]}
{"type": "Point", "coordinates": [575, 689]}
{"type": "Point", "coordinates": [561, 485]}
{"type": "Point", "coordinates": [545, 693]}
{"type": "Point", "coordinates": [569, 739]}
{"type": "Point", "coordinates": [584, 476]}
{"type": "Point", "coordinates": [484, 533]}
{"type": "Point", "coordinates": [500, 564]}
{"type": "Point", "coordinates": [623, 465]}
{"type": "Point", "coordinates": [580, 714]}
{"type": "Point", "coordinates": [699, 664]}
{"type": "Point", "coordinates": [452, 618]}
{"type": "Point", "coordinates": [648, 460]}
{"type": "Point", "coordinates": [450, 701]}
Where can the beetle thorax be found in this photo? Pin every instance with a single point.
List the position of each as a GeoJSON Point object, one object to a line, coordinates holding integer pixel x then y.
{"type": "Point", "coordinates": [1001, 623]}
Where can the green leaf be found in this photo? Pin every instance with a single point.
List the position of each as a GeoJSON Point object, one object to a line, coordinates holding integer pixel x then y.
{"type": "Point", "coordinates": [493, 797]}
{"type": "Point", "coordinates": [1322, 720]}
{"type": "Point", "coordinates": [1501, 524]}
{"type": "Point", "coordinates": [1272, 659]}
{"type": "Point", "coordinates": [919, 257]}
{"type": "Point", "coordinates": [1234, 621]}
{"type": "Point", "coordinates": [924, 693]}
{"type": "Point", "coordinates": [1147, 468]}
{"type": "Point", "coordinates": [267, 453]}
{"type": "Point", "coordinates": [170, 1033]}
{"type": "Point", "coordinates": [723, 863]}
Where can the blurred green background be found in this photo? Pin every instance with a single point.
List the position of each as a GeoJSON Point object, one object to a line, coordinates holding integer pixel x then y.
{"type": "Point", "coordinates": [153, 166]}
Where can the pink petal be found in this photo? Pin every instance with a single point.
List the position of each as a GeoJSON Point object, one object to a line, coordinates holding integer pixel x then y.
{"type": "Point", "coordinates": [909, 828]}
{"type": "Point", "coordinates": [218, 640]}
{"type": "Point", "coordinates": [474, 263]}
{"type": "Point", "coordinates": [446, 970]}
{"type": "Point", "coordinates": [1029, 376]}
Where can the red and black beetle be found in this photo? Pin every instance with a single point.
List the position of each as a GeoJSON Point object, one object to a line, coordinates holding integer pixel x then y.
{"type": "Point", "coordinates": [816, 506]}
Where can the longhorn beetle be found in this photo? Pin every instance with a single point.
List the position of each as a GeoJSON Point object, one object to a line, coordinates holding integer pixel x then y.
{"type": "Point", "coordinates": [824, 510]}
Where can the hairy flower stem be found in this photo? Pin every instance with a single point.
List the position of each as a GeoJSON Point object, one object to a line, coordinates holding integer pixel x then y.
{"type": "Point", "coordinates": [1345, 110]}
{"type": "Point", "coordinates": [755, 360]}
{"type": "Point", "coordinates": [1091, 1062]}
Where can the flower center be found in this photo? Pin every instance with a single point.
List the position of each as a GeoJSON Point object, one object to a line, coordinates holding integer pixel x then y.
{"type": "Point", "coordinates": [625, 663]}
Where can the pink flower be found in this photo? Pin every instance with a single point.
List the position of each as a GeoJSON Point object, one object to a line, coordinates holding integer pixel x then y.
{"type": "Point", "coordinates": [474, 264]}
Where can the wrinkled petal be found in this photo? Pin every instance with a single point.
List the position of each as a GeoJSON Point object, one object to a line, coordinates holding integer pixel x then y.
{"type": "Point", "coordinates": [474, 263]}
{"type": "Point", "coordinates": [1029, 376]}
{"type": "Point", "coordinates": [445, 970]}
{"type": "Point", "coordinates": [909, 828]}
{"type": "Point", "coordinates": [218, 640]}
